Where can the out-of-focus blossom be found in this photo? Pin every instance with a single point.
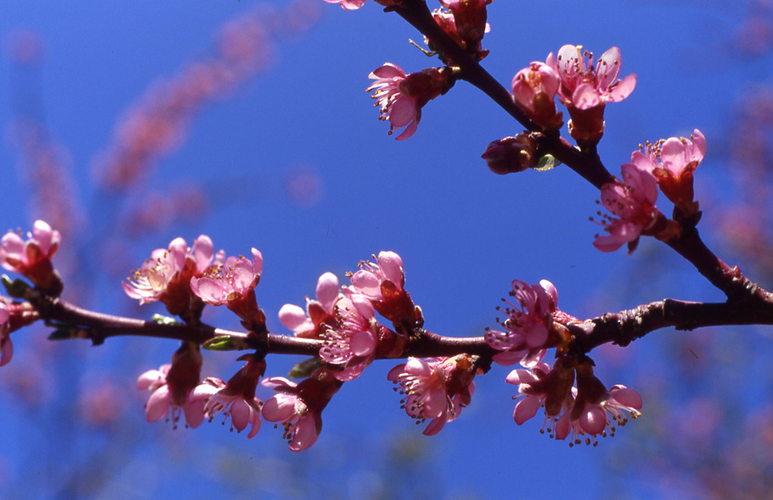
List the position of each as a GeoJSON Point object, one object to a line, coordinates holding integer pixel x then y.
{"type": "Point", "coordinates": [435, 388]}
{"type": "Point", "coordinates": [171, 388]}
{"type": "Point", "coordinates": [348, 4]}
{"type": "Point", "coordinates": [299, 406]}
{"type": "Point", "coordinates": [672, 163]}
{"type": "Point", "coordinates": [351, 342]}
{"type": "Point", "coordinates": [6, 347]}
{"type": "Point", "coordinates": [586, 89]}
{"type": "Point", "coordinates": [159, 121]}
{"type": "Point", "coordinates": [12, 317]}
{"type": "Point", "coordinates": [527, 324]}
{"type": "Point", "coordinates": [401, 97]}
{"type": "Point", "coordinates": [32, 258]}
{"type": "Point", "coordinates": [534, 91]}
{"type": "Point", "coordinates": [383, 284]}
{"type": "Point", "coordinates": [511, 154]}
{"type": "Point", "coordinates": [236, 398]}
{"type": "Point", "coordinates": [319, 313]}
{"type": "Point", "coordinates": [632, 201]}
{"type": "Point", "coordinates": [166, 276]}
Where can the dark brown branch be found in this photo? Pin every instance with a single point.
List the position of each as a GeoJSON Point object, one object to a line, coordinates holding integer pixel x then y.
{"type": "Point", "coordinates": [626, 326]}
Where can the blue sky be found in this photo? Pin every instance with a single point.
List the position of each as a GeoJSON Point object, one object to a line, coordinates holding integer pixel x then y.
{"type": "Point", "coordinates": [463, 232]}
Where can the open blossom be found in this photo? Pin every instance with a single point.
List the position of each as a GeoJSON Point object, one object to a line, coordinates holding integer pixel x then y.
{"type": "Point", "coordinates": [527, 324]}
{"type": "Point", "coordinates": [585, 89]}
{"type": "Point", "coordinates": [348, 4]}
{"type": "Point", "coordinates": [352, 342]}
{"type": "Point", "coordinates": [672, 163]}
{"type": "Point", "coordinates": [435, 388]}
{"type": "Point", "coordinates": [534, 90]}
{"type": "Point", "coordinates": [588, 409]}
{"type": "Point", "coordinates": [235, 399]}
{"type": "Point", "coordinates": [299, 406]}
{"type": "Point", "coordinates": [166, 276]}
{"type": "Point", "coordinates": [32, 258]}
{"type": "Point", "coordinates": [400, 97]}
{"type": "Point", "coordinates": [383, 284]}
{"type": "Point", "coordinates": [229, 281]}
{"type": "Point", "coordinates": [319, 313]}
{"type": "Point", "coordinates": [633, 203]}
{"type": "Point", "coordinates": [162, 400]}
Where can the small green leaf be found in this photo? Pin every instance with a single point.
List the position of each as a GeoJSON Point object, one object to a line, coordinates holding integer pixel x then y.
{"type": "Point", "coordinates": [304, 368]}
{"type": "Point", "coordinates": [547, 162]}
{"type": "Point", "coordinates": [225, 343]}
{"type": "Point", "coordinates": [15, 288]}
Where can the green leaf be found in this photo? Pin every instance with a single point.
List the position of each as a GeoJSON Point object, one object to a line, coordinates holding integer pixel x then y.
{"type": "Point", "coordinates": [547, 162]}
{"type": "Point", "coordinates": [225, 343]}
{"type": "Point", "coordinates": [304, 368]}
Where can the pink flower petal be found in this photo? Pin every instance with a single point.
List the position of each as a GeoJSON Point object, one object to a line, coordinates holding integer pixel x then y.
{"type": "Point", "coordinates": [328, 290]}
{"type": "Point", "coordinates": [158, 404]}
{"type": "Point", "coordinates": [305, 434]}
{"type": "Point", "coordinates": [294, 318]}
{"type": "Point", "coordinates": [526, 409]}
{"type": "Point", "coordinates": [623, 88]}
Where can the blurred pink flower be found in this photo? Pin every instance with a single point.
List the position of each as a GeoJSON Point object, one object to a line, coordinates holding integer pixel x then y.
{"type": "Point", "coordinates": [348, 4]}
{"type": "Point", "coordinates": [32, 258]}
{"type": "Point", "coordinates": [435, 388]}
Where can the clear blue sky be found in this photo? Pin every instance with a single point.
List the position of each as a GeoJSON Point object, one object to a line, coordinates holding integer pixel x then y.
{"type": "Point", "coordinates": [463, 232]}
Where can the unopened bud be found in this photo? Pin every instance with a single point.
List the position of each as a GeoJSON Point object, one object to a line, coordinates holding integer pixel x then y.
{"type": "Point", "coordinates": [511, 154]}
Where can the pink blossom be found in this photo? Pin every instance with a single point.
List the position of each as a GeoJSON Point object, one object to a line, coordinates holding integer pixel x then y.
{"type": "Point", "coordinates": [348, 4]}
{"type": "Point", "coordinates": [584, 86]}
{"type": "Point", "coordinates": [527, 324]}
{"type": "Point", "coordinates": [6, 346]}
{"type": "Point", "coordinates": [586, 89]}
{"type": "Point", "coordinates": [166, 276]}
{"type": "Point", "coordinates": [672, 163]}
{"type": "Point", "coordinates": [435, 388]}
{"type": "Point", "coordinates": [400, 97]}
{"type": "Point", "coordinates": [534, 89]}
{"type": "Point", "coordinates": [32, 258]}
{"type": "Point", "coordinates": [320, 312]}
{"type": "Point", "coordinates": [235, 398]}
{"type": "Point", "coordinates": [162, 400]}
{"type": "Point", "coordinates": [598, 418]}
{"type": "Point", "coordinates": [633, 203]}
{"type": "Point", "coordinates": [383, 284]}
{"type": "Point", "coordinates": [229, 281]}
{"type": "Point", "coordinates": [352, 342]}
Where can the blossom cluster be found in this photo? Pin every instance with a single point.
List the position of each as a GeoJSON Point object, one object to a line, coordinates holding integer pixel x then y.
{"type": "Point", "coordinates": [344, 320]}
{"type": "Point", "coordinates": [669, 165]}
